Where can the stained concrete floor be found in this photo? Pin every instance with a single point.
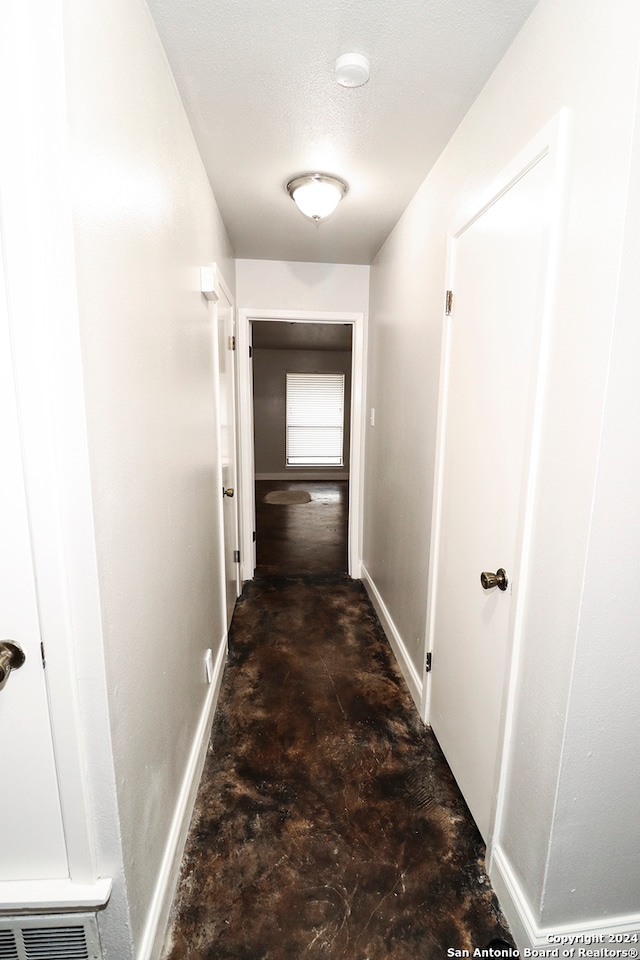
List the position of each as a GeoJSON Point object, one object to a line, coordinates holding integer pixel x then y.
{"type": "Point", "coordinates": [328, 825]}
{"type": "Point", "coordinates": [302, 538]}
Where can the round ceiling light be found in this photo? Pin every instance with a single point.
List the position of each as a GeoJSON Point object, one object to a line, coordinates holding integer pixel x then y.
{"type": "Point", "coordinates": [352, 70]}
{"type": "Point", "coordinates": [316, 195]}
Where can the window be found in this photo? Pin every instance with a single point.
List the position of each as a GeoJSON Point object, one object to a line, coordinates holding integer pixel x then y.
{"type": "Point", "coordinates": [315, 419]}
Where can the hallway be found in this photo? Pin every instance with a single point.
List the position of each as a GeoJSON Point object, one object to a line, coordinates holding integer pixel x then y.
{"type": "Point", "coordinates": [327, 824]}
{"type": "Point", "coordinates": [126, 252]}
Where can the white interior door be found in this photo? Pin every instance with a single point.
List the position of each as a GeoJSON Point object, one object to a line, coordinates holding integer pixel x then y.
{"type": "Point", "coordinates": [33, 843]}
{"type": "Point", "coordinates": [498, 282]}
{"type": "Point", "coordinates": [228, 446]}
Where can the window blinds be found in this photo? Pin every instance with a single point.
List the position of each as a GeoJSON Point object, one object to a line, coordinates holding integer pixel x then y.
{"type": "Point", "coordinates": [315, 419]}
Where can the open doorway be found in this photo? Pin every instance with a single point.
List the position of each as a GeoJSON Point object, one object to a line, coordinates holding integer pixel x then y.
{"type": "Point", "coordinates": [302, 431]}
{"type": "Point", "coordinates": [320, 534]}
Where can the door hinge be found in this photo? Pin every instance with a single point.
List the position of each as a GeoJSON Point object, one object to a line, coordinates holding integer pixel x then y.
{"type": "Point", "coordinates": [448, 303]}
{"type": "Point", "coordinates": [254, 536]}
{"type": "Point", "coordinates": [232, 343]}
{"type": "Point", "coordinates": [44, 662]}
{"type": "Point", "coordinates": [250, 351]}
{"type": "Point", "coordinates": [236, 556]}
{"type": "Point", "coordinates": [428, 663]}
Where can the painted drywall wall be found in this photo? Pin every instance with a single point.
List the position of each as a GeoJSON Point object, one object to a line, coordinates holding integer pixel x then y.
{"type": "Point", "coordinates": [599, 786]}
{"type": "Point", "coordinates": [145, 220]}
{"type": "Point", "coordinates": [582, 57]}
{"type": "Point", "coordinates": [316, 291]}
{"type": "Point", "coordinates": [284, 285]}
{"type": "Point", "coordinates": [270, 368]}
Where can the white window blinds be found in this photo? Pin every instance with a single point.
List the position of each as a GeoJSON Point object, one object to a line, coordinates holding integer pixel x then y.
{"type": "Point", "coordinates": [315, 419]}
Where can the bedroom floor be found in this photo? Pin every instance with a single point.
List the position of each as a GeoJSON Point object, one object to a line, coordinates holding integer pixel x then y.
{"type": "Point", "coordinates": [302, 538]}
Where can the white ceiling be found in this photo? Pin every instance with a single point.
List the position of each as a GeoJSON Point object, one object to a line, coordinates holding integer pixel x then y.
{"type": "Point", "coordinates": [257, 81]}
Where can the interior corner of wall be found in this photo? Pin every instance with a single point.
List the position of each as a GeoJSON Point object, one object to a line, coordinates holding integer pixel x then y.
{"type": "Point", "coordinates": [513, 900]}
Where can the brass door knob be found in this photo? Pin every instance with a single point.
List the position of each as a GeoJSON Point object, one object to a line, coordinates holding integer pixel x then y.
{"type": "Point", "coordinates": [228, 492]}
{"type": "Point", "coordinates": [498, 579]}
{"type": "Point", "coordinates": [11, 658]}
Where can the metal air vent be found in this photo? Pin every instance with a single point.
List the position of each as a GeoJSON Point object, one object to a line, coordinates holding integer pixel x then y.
{"type": "Point", "coordinates": [8, 948]}
{"type": "Point", "coordinates": [60, 937]}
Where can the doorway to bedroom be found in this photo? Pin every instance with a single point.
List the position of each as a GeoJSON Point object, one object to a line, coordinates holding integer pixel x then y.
{"type": "Point", "coordinates": [301, 378]}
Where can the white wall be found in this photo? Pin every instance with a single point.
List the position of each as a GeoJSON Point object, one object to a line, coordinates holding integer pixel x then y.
{"type": "Point", "coordinates": [309, 291]}
{"type": "Point", "coordinates": [284, 285]}
{"type": "Point", "coordinates": [599, 786]}
{"type": "Point", "coordinates": [144, 221]}
{"type": "Point", "coordinates": [582, 56]}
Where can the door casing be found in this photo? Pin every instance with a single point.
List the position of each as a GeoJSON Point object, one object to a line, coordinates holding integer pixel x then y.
{"type": "Point", "coordinates": [245, 397]}
{"type": "Point", "coordinates": [228, 473]}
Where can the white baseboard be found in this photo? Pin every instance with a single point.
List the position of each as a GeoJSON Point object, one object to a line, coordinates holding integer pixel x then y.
{"type": "Point", "coordinates": [409, 672]}
{"type": "Point", "coordinates": [160, 908]}
{"type": "Point", "coordinates": [529, 934]}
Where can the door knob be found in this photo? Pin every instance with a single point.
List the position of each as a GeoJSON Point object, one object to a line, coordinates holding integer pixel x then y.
{"type": "Point", "coordinates": [11, 658]}
{"type": "Point", "coordinates": [228, 492]}
{"type": "Point", "coordinates": [498, 579]}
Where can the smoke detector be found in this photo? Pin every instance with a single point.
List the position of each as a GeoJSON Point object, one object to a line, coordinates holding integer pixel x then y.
{"type": "Point", "coordinates": [352, 70]}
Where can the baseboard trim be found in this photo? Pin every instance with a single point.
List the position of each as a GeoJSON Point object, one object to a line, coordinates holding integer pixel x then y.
{"type": "Point", "coordinates": [160, 908]}
{"type": "Point", "coordinates": [530, 935]}
{"type": "Point", "coordinates": [409, 672]}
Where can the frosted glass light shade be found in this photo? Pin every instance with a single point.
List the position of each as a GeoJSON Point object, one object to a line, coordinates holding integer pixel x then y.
{"type": "Point", "coordinates": [316, 195]}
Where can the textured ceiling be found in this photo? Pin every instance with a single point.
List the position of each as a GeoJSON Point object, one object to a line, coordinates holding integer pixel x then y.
{"type": "Point", "coordinates": [257, 81]}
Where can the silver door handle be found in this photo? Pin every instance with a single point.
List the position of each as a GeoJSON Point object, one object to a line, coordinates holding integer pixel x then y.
{"type": "Point", "coordinates": [12, 657]}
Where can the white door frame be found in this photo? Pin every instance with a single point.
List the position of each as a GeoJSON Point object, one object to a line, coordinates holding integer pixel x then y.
{"type": "Point", "coordinates": [550, 141]}
{"type": "Point", "coordinates": [213, 285]}
{"type": "Point", "coordinates": [42, 310]}
{"type": "Point", "coordinates": [245, 420]}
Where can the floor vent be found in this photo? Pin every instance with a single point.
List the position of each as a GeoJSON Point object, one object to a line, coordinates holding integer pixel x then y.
{"type": "Point", "coordinates": [60, 937]}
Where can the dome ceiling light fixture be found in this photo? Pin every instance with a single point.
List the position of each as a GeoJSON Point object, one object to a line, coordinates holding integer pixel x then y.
{"type": "Point", "coordinates": [316, 195]}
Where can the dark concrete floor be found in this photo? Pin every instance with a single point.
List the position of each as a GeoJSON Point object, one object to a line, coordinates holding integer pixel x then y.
{"type": "Point", "coordinates": [306, 537]}
{"type": "Point", "coordinates": [328, 825]}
